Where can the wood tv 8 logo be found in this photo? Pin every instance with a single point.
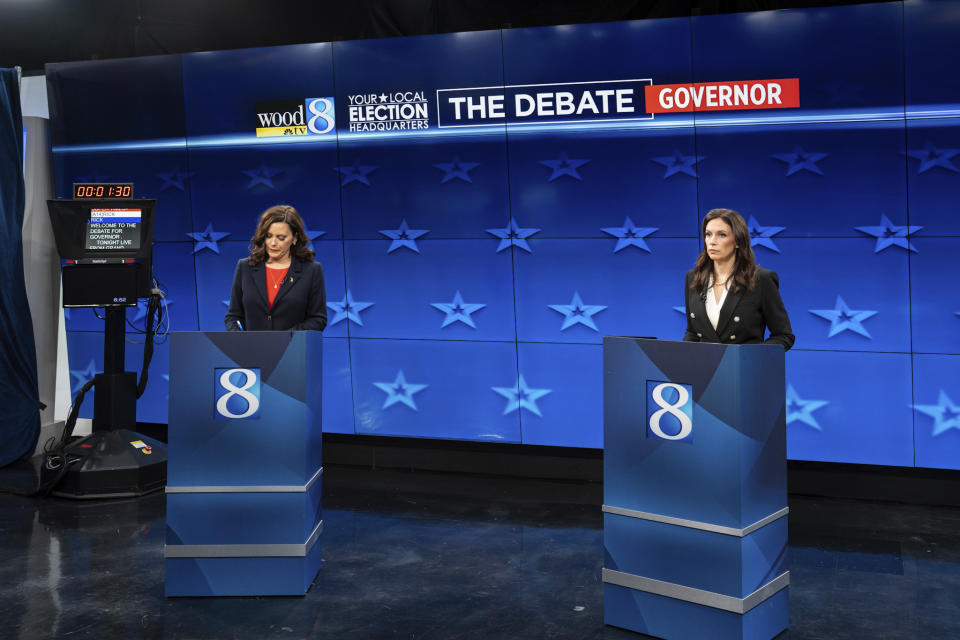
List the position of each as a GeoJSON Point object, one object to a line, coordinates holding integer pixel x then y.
{"type": "Point", "coordinates": [310, 116]}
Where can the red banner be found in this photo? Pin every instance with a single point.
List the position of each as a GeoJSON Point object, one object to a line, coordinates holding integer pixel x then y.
{"type": "Point", "coordinates": [782, 93]}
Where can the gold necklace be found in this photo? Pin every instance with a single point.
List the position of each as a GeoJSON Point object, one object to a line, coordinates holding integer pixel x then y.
{"type": "Point", "coordinates": [278, 281]}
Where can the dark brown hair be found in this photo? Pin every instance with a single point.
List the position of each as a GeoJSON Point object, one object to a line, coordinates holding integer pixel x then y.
{"type": "Point", "coordinates": [280, 213]}
{"type": "Point", "coordinates": [744, 265]}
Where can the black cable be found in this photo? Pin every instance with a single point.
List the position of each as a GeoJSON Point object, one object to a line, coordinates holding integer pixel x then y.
{"type": "Point", "coordinates": [56, 462]}
{"type": "Point", "coordinates": [153, 307]}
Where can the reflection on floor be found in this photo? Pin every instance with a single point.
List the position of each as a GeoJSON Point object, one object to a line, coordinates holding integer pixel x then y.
{"type": "Point", "coordinates": [447, 556]}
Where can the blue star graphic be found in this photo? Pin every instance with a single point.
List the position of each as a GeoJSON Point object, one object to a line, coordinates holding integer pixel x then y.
{"type": "Point", "coordinates": [630, 235]}
{"type": "Point", "coordinates": [456, 169]}
{"type": "Point", "coordinates": [931, 157]}
{"type": "Point", "coordinates": [945, 414]}
{"type": "Point", "coordinates": [261, 175]}
{"type": "Point", "coordinates": [83, 376]}
{"type": "Point", "coordinates": [355, 173]}
{"type": "Point", "coordinates": [889, 234]}
{"type": "Point", "coordinates": [802, 410]}
{"type": "Point", "coordinates": [842, 318]}
{"type": "Point", "coordinates": [564, 166]}
{"type": "Point", "coordinates": [404, 237]}
{"type": "Point", "coordinates": [313, 235]}
{"type": "Point", "coordinates": [681, 309]}
{"type": "Point", "coordinates": [762, 236]}
{"type": "Point", "coordinates": [578, 313]}
{"type": "Point", "coordinates": [801, 160]}
{"type": "Point", "coordinates": [520, 396]}
{"type": "Point", "coordinates": [174, 179]}
{"type": "Point", "coordinates": [513, 235]}
{"type": "Point", "coordinates": [348, 309]}
{"type": "Point", "coordinates": [207, 239]}
{"type": "Point", "coordinates": [141, 310]}
{"type": "Point", "coordinates": [400, 391]}
{"type": "Point", "coordinates": [458, 310]}
{"type": "Point", "coordinates": [679, 163]}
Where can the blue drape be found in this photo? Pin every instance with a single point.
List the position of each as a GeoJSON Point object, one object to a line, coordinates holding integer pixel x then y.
{"type": "Point", "coordinates": [19, 412]}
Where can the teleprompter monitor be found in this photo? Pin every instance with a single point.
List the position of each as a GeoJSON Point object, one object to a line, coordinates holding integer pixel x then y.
{"type": "Point", "coordinates": [106, 250]}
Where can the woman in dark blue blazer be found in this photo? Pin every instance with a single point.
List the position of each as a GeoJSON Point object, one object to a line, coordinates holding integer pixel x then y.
{"type": "Point", "coordinates": [730, 299]}
{"type": "Point", "coordinates": [279, 287]}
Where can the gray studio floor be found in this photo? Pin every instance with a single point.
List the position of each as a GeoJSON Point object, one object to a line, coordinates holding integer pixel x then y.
{"type": "Point", "coordinates": [445, 556]}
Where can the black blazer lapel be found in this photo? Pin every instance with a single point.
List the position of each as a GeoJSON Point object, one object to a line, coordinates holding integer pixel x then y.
{"type": "Point", "coordinates": [260, 283]}
{"type": "Point", "coordinates": [726, 311]}
{"type": "Point", "coordinates": [293, 274]}
{"type": "Point", "coordinates": [697, 305]}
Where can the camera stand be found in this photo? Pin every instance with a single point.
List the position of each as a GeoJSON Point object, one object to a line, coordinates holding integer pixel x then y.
{"type": "Point", "coordinates": [114, 461]}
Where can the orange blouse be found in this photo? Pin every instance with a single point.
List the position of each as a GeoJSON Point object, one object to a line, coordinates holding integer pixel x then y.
{"type": "Point", "coordinates": [274, 280]}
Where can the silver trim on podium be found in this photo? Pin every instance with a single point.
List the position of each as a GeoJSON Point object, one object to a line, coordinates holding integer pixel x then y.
{"type": "Point", "coordinates": [694, 524]}
{"type": "Point", "coordinates": [256, 488]}
{"type": "Point", "coordinates": [243, 550]}
{"type": "Point", "coordinates": [697, 596]}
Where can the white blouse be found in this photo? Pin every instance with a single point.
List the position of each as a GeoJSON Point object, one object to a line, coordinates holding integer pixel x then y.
{"type": "Point", "coordinates": [713, 307]}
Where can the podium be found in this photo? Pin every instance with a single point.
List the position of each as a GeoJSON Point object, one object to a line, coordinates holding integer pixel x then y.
{"type": "Point", "coordinates": [695, 500]}
{"type": "Point", "coordinates": [244, 463]}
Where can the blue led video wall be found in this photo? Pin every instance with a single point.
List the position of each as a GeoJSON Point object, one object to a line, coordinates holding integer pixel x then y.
{"type": "Point", "coordinates": [482, 224]}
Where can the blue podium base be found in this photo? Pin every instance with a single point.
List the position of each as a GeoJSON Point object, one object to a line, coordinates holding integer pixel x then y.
{"type": "Point", "coordinates": [233, 541]}
{"type": "Point", "coordinates": [259, 576]}
{"type": "Point", "coordinates": [673, 619]}
{"type": "Point", "coordinates": [676, 581]}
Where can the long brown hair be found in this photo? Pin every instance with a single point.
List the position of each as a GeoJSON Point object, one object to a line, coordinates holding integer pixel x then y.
{"type": "Point", "coordinates": [744, 264]}
{"type": "Point", "coordinates": [280, 213]}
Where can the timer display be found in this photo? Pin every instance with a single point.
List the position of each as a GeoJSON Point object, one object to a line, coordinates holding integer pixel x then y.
{"type": "Point", "coordinates": [102, 190]}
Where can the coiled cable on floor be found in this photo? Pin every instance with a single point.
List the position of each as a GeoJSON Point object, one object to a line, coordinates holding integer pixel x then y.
{"type": "Point", "coordinates": [56, 462]}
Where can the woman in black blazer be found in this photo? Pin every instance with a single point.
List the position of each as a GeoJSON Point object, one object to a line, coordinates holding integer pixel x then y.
{"type": "Point", "coordinates": [730, 299]}
{"type": "Point", "coordinates": [278, 287]}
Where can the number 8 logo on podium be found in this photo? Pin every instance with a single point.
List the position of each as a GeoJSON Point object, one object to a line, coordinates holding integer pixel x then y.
{"type": "Point", "coordinates": [670, 411]}
{"type": "Point", "coordinates": [236, 393]}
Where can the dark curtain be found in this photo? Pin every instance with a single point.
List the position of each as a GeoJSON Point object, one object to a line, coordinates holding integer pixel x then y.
{"type": "Point", "coordinates": [19, 411]}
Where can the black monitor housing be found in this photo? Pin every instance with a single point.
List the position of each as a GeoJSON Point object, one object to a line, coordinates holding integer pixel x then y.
{"type": "Point", "coordinates": [106, 250]}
